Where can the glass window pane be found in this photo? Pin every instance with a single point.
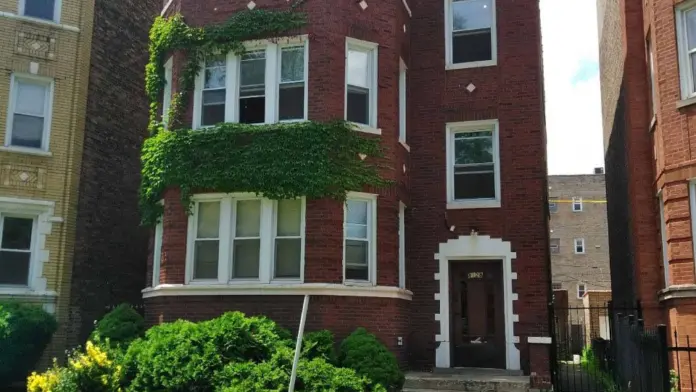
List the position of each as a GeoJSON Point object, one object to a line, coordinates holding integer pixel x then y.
{"type": "Point", "coordinates": [691, 28]}
{"type": "Point", "coordinates": [474, 186]}
{"type": "Point", "coordinates": [471, 14]}
{"type": "Point", "coordinates": [469, 46]}
{"type": "Point", "coordinates": [358, 105]}
{"type": "Point", "coordinates": [42, 9]}
{"type": "Point", "coordinates": [248, 218]}
{"type": "Point", "coordinates": [356, 231]}
{"type": "Point", "coordinates": [14, 268]}
{"type": "Point", "coordinates": [253, 69]}
{"type": "Point", "coordinates": [358, 68]}
{"type": "Point", "coordinates": [693, 68]}
{"type": "Point", "coordinates": [469, 150]}
{"type": "Point", "coordinates": [27, 131]}
{"type": "Point", "coordinates": [246, 259]}
{"type": "Point", "coordinates": [208, 220]}
{"type": "Point", "coordinates": [356, 252]}
{"type": "Point", "coordinates": [356, 211]}
{"type": "Point", "coordinates": [215, 74]}
{"type": "Point", "coordinates": [252, 110]}
{"type": "Point", "coordinates": [213, 97]}
{"type": "Point", "coordinates": [213, 114]}
{"type": "Point", "coordinates": [357, 273]}
{"type": "Point", "coordinates": [291, 102]}
{"type": "Point", "coordinates": [16, 233]}
{"type": "Point", "coordinates": [289, 217]}
{"type": "Point", "coordinates": [206, 259]}
{"type": "Point", "coordinates": [288, 253]}
{"type": "Point", "coordinates": [292, 65]}
{"type": "Point", "coordinates": [31, 98]}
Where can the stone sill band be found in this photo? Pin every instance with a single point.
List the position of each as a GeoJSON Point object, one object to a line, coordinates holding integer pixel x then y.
{"type": "Point", "coordinates": [40, 21]}
{"type": "Point", "coordinates": [322, 289]}
{"type": "Point", "coordinates": [677, 292]}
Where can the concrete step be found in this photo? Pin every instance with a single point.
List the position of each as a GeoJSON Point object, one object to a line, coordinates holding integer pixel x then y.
{"type": "Point", "coordinates": [467, 380]}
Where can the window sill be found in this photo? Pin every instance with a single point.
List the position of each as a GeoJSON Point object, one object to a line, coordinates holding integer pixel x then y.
{"type": "Point", "coordinates": [40, 21]}
{"type": "Point", "coordinates": [682, 291]}
{"type": "Point", "coordinates": [686, 102]}
{"type": "Point", "coordinates": [27, 293]}
{"type": "Point", "coordinates": [475, 64]}
{"type": "Point", "coordinates": [28, 151]}
{"type": "Point", "coordinates": [466, 205]}
{"type": "Point", "coordinates": [367, 129]}
{"type": "Point", "coordinates": [323, 289]}
{"type": "Point", "coordinates": [404, 145]}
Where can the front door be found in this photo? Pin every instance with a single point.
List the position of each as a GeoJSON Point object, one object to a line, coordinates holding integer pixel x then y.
{"type": "Point", "coordinates": [477, 315]}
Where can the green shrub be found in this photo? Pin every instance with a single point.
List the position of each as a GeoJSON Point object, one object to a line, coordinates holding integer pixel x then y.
{"type": "Point", "coordinates": [319, 344]}
{"type": "Point", "coordinates": [25, 331]}
{"type": "Point", "coordinates": [364, 353]}
{"type": "Point", "coordinates": [120, 326]}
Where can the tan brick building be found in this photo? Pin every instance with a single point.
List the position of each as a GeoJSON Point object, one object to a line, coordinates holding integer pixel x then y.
{"type": "Point", "coordinates": [56, 56]}
{"type": "Point", "coordinates": [578, 232]}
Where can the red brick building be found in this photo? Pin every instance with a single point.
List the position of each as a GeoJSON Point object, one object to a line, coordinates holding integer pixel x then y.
{"type": "Point", "coordinates": [647, 75]}
{"type": "Point", "coordinates": [449, 268]}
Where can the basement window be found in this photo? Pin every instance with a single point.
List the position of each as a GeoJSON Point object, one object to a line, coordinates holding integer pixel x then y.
{"type": "Point", "coordinates": [471, 33]}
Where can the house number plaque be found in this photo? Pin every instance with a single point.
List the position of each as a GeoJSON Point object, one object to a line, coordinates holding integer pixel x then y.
{"type": "Point", "coordinates": [475, 275]}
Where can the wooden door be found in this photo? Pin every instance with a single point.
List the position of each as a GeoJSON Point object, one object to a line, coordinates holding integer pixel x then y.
{"type": "Point", "coordinates": [477, 314]}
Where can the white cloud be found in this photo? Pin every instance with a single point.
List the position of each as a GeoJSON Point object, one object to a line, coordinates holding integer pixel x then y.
{"type": "Point", "coordinates": [573, 108]}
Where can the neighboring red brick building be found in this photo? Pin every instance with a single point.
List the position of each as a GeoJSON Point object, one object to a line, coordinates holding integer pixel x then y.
{"type": "Point", "coordinates": [648, 97]}
{"type": "Point", "coordinates": [449, 268]}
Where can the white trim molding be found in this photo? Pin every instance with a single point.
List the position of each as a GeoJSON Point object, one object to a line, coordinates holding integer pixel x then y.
{"type": "Point", "coordinates": [323, 289]}
{"type": "Point", "coordinates": [475, 248]}
{"type": "Point", "coordinates": [48, 23]}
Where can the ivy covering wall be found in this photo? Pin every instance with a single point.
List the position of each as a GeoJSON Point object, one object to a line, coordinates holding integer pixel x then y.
{"type": "Point", "coordinates": [278, 161]}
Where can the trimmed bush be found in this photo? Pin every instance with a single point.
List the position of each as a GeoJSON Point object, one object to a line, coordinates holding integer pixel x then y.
{"type": "Point", "coordinates": [120, 326]}
{"type": "Point", "coordinates": [25, 331]}
{"type": "Point", "coordinates": [364, 353]}
{"type": "Point", "coordinates": [319, 344]}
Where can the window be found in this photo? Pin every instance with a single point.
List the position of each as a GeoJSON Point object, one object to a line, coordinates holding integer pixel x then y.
{"type": "Point", "coordinates": [553, 205]}
{"type": "Point", "coordinates": [555, 245]}
{"type": "Point", "coordinates": [359, 245]}
{"type": "Point", "coordinates": [653, 87]}
{"type": "Point", "coordinates": [16, 245]}
{"type": "Point", "coordinates": [577, 204]}
{"type": "Point", "coordinates": [686, 34]}
{"type": "Point", "coordinates": [582, 289]}
{"type": "Point", "coordinates": [402, 245]}
{"type": "Point", "coordinates": [471, 33]}
{"type": "Point", "coordinates": [474, 165]}
{"type": "Point", "coordinates": [557, 286]}
{"type": "Point", "coordinates": [579, 245]}
{"type": "Point", "coordinates": [40, 9]}
{"type": "Point", "coordinates": [167, 98]}
{"type": "Point", "coordinates": [663, 230]}
{"type": "Point", "coordinates": [361, 82]}
{"type": "Point", "coordinates": [157, 254]}
{"type": "Point", "coordinates": [265, 85]}
{"type": "Point", "coordinates": [402, 101]}
{"type": "Point", "coordinates": [244, 238]}
{"type": "Point", "coordinates": [29, 120]}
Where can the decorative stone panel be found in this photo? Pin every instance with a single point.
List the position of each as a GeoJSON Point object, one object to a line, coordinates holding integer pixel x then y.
{"type": "Point", "coordinates": [36, 43]}
{"type": "Point", "coordinates": [19, 176]}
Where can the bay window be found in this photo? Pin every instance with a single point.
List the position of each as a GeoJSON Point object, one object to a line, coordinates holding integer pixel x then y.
{"type": "Point", "coordinates": [361, 83]}
{"type": "Point", "coordinates": [266, 84]}
{"type": "Point", "coordinates": [241, 238]}
{"type": "Point", "coordinates": [359, 247]}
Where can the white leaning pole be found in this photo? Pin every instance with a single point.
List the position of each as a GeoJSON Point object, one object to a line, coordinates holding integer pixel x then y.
{"type": "Point", "coordinates": [298, 346]}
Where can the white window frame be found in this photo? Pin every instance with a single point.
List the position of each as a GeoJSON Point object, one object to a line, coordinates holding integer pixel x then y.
{"type": "Point", "coordinates": [577, 202]}
{"type": "Point", "coordinates": [167, 98]}
{"type": "Point", "coordinates": [402, 245]}
{"type": "Point", "coordinates": [157, 253]}
{"type": "Point", "coordinates": [272, 83]}
{"type": "Point", "coordinates": [449, 64]}
{"type": "Point", "coordinates": [557, 286]}
{"type": "Point", "coordinates": [653, 80]}
{"type": "Point", "coordinates": [685, 73]}
{"type": "Point", "coordinates": [553, 201]}
{"type": "Point", "coordinates": [663, 228]}
{"type": "Point", "coordinates": [48, 110]}
{"type": "Point", "coordinates": [227, 227]}
{"type": "Point", "coordinates": [403, 76]}
{"type": "Point", "coordinates": [32, 247]}
{"type": "Point", "coordinates": [584, 290]}
{"type": "Point", "coordinates": [373, 70]}
{"type": "Point", "coordinates": [472, 126]}
{"type": "Point", "coordinates": [371, 198]}
{"type": "Point", "coordinates": [56, 11]}
{"type": "Point", "coordinates": [579, 242]}
{"type": "Point", "coordinates": [558, 247]}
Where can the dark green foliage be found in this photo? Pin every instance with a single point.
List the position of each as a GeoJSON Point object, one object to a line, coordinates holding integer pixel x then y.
{"type": "Point", "coordinates": [364, 353]}
{"type": "Point", "coordinates": [319, 344]}
{"type": "Point", "coordinates": [25, 331]}
{"type": "Point", "coordinates": [280, 161]}
{"type": "Point", "coordinates": [120, 326]}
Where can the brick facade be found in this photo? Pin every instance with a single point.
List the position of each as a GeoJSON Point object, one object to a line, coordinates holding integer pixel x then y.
{"type": "Point", "coordinates": [510, 92]}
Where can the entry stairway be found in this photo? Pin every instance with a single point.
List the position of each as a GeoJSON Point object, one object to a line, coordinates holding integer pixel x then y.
{"type": "Point", "coordinates": [467, 380]}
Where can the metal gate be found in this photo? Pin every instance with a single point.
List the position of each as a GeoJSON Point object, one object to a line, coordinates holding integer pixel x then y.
{"type": "Point", "coordinates": [603, 349]}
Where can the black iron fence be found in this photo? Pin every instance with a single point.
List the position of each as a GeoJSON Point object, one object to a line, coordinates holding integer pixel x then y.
{"type": "Point", "coordinates": [682, 377]}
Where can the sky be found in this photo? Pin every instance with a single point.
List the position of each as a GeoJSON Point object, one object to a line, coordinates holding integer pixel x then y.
{"type": "Point", "coordinates": [571, 78]}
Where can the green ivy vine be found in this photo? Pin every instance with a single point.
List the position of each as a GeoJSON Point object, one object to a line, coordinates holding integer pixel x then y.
{"type": "Point", "coordinates": [279, 161]}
